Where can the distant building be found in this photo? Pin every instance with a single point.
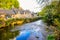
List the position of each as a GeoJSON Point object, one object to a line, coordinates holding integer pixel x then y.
{"type": "Point", "coordinates": [6, 13]}
{"type": "Point", "coordinates": [16, 13]}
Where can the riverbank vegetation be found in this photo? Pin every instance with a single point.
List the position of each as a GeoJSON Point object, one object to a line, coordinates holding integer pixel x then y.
{"type": "Point", "coordinates": [17, 21]}
{"type": "Point", "coordinates": [51, 16]}
{"type": "Point", "coordinates": [6, 34]}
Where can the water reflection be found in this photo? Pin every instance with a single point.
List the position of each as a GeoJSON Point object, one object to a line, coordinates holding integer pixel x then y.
{"type": "Point", "coordinates": [36, 31]}
{"type": "Point", "coordinates": [6, 34]}
{"type": "Point", "coordinates": [30, 31]}
{"type": "Point", "coordinates": [24, 35]}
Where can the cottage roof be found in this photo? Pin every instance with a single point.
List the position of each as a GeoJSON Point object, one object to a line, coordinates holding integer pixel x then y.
{"type": "Point", "coordinates": [2, 11]}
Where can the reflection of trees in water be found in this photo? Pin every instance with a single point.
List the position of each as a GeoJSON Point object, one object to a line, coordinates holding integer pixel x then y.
{"type": "Point", "coordinates": [6, 34]}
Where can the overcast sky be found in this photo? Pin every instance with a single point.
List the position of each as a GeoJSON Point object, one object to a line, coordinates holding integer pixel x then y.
{"type": "Point", "coordinates": [29, 5]}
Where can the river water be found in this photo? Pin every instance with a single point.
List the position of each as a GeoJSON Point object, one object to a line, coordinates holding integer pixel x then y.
{"type": "Point", "coordinates": [31, 31]}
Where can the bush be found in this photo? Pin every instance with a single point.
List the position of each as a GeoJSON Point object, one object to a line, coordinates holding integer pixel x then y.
{"type": "Point", "coordinates": [51, 37]}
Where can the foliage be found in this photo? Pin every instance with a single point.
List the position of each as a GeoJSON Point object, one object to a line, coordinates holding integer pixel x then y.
{"type": "Point", "coordinates": [51, 15]}
{"type": "Point", "coordinates": [15, 21]}
{"type": "Point", "coordinates": [6, 34]}
{"type": "Point", "coordinates": [7, 4]}
{"type": "Point", "coordinates": [2, 22]}
{"type": "Point", "coordinates": [51, 37]}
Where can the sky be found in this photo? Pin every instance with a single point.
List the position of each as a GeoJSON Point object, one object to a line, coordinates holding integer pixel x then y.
{"type": "Point", "coordinates": [31, 5]}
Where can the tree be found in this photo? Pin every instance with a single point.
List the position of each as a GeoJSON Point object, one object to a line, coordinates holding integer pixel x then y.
{"type": "Point", "coordinates": [51, 16]}
{"type": "Point", "coordinates": [7, 4]}
{"type": "Point", "coordinates": [52, 10]}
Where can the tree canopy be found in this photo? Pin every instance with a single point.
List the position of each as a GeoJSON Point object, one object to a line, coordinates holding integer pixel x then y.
{"type": "Point", "coordinates": [51, 11]}
{"type": "Point", "coordinates": [7, 4]}
{"type": "Point", "coordinates": [51, 16]}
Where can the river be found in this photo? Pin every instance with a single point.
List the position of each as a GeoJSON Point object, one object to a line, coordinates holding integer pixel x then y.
{"type": "Point", "coordinates": [36, 30]}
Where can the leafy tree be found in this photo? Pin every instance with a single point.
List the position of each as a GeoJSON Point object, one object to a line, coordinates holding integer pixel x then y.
{"type": "Point", "coordinates": [51, 15]}
{"type": "Point", "coordinates": [51, 12]}
{"type": "Point", "coordinates": [7, 4]}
